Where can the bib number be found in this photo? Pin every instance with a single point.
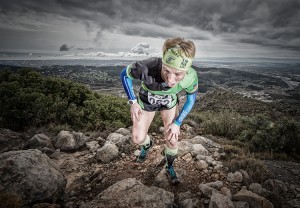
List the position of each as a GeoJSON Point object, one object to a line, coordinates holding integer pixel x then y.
{"type": "Point", "coordinates": [158, 100]}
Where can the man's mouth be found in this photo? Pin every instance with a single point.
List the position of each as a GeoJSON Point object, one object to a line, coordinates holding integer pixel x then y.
{"type": "Point", "coordinates": [171, 84]}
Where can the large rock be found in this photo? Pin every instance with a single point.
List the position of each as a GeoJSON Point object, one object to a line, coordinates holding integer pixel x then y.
{"type": "Point", "coordinates": [39, 141]}
{"type": "Point", "coordinates": [67, 140]}
{"type": "Point", "coordinates": [10, 140]}
{"type": "Point", "coordinates": [121, 141]}
{"type": "Point", "coordinates": [204, 141]}
{"type": "Point", "coordinates": [92, 146]}
{"type": "Point", "coordinates": [256, 188]}
{"type": "Point", "coordinates": [185, 147]}
{"type": "Point", "coordinates": [220, 201]}
{"type": "Point", "coordinates": [275, 186]}
{"type": "Point", "coordinates": [206, 190]}
{"type": "Point", "coordinates": [123, 131]}
{"type": "Point", "coordinates": [31, 175]}
{"type": "Point", "coordinates": [198, 149]}
{"type": "Point", "coordinates": [190, 203]}
{"type": "Point", "coordinates": [162, 181]}
{"type": "Point", "coordinates": [132, 193]}
{"type": "Point", "coordinates": [235, 177]}
{"type": "Point", "coordinates": [107, 153]}
{"type": "Point", "coordinates": [254, 200]}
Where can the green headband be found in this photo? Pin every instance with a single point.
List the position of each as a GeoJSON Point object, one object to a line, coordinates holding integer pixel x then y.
{"type": "Point", "coordinates": [174, 57]}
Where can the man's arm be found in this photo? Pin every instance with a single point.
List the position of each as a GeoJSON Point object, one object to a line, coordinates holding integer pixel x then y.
{"type": "Point", "coordinates": [127, 84]}
{"type": "Point", "coordinates": [187, 107]}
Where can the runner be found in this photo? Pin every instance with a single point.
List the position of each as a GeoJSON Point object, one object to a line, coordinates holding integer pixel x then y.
{"type": "Point", "coordinates": [161, 80]}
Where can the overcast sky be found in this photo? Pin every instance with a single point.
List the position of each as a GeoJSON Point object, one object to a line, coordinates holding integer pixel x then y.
{"type": "Point", "coordinates": [219, 28]}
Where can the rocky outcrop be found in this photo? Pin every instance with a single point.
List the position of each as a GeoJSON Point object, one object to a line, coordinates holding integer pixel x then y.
{"type": "Point", "coordinates": [31, 175]}
{"type": "Point", "coordinates": [132, 193]}
{"type": "Point", "coordinates": [110, 162]}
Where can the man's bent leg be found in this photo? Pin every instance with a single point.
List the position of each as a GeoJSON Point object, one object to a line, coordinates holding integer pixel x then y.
{"type": "Point", "coordinates": [139, 134]}
{"type": "Point", "coordinates": [171, 149]}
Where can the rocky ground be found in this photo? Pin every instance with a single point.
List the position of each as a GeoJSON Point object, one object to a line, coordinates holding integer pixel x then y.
{"type": "Point", "coordinates": [102, 172]}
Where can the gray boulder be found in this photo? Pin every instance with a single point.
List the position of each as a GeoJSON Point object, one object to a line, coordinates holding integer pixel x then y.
{"type": "Point", "coordinates": [121, 141]}
{"type": "Point", "coordinates": [256, 188]}
{"type": "Point", "coordinates": [190, 203]}
{"type": "Point", "coordinates": [220, 201]}
{"type": "Point", "coordinates": [132, 193]}
{"type": "Point", "coordinates": [31, 175]}
{"type": "Point", "coordinates": [123, 131]}
{"type": "Point", "coordinates": [241, 204]}
{"type": "Point", "coordinates": [206, 190]}
{"type": "Point", "coordinates": [235, 177]}
{"type": "Point", "coordinates": [10, 140]}
{"type": "Point", "coordinates": [107, 153]}
{"type": "Point", "coordinates": [204, 141]}
{"type": "Point", "coordinates": [252, 199]}
{"type": "Point", "coordinates": [185, 147]}
{"type": "Point", "coordinates": [67, 140]}
{"type": "Point", "coordinates": [162, 181]}
{"type": "Point", "coordinates": [92, 146]}
{"type": "Point", "coordinates": [39, 141]}
{"type": "Point", "coordinates": [275, 186]}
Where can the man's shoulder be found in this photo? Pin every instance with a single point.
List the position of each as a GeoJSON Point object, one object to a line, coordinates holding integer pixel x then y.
{"type": "Point", "coordinates": [151, 62]}
{"type": "Point", "coordinates": [190, 75]}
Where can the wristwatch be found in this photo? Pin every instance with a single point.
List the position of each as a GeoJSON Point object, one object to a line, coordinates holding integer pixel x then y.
{"type": "Point", "coordinates": [131, 102]}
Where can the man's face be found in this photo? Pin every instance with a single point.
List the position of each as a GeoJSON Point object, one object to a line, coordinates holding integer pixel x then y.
{"type": "Point", "coordinates": [171, 75]}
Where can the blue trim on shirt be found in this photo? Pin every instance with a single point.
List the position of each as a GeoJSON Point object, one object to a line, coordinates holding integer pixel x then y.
{"type": "Point", "coordinates": [127, 84]}
{"type": "Point", "coordinates": [187, 107]}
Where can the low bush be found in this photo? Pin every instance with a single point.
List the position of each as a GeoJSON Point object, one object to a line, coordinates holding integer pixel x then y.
{"type": "Point", "coordinates": [27, 99]}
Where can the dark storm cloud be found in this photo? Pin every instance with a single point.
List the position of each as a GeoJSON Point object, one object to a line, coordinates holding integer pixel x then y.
{"type": "Point", "coordinates": [273, 22]}
{"type": "Point", "coordinates": [65, 47]}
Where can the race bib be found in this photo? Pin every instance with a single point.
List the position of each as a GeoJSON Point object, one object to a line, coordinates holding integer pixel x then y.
{"type": "Point", "coordinates": [158, 100]}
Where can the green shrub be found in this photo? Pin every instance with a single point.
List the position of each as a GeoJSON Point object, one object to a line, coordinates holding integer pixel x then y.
{"type": "Point", "coordinates": [265, 135]}
{"type": "Point", "coordinates": [255, 168]}
{"type": "Point", "coordinates": [227, 124]}
{"type": "Point", "coordinates": [29, 99]}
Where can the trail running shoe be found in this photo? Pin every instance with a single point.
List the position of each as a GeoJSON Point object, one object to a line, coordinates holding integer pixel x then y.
{"type": "Point", "coordinates": [144, 151]}
{"type": "Point", "coordinates": [174, 180]}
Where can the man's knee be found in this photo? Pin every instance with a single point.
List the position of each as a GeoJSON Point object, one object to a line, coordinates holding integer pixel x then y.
{"type": "Point", "coordinates": [137, 138]}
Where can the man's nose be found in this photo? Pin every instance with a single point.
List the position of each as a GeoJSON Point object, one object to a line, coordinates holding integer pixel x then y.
{"type": "Point", "coordinates": [171, 78]}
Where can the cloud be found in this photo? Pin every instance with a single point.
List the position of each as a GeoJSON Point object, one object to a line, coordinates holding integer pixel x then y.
{"type": "Point", "coordinates": [141, 48]}
{"type": "Point", "coordinates": [271, 23]}
{"type": "Point", "coordinates": [65, 47]}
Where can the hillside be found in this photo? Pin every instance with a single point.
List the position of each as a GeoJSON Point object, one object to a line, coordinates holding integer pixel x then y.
{"type": "Point", "coordinates": [93, 163]}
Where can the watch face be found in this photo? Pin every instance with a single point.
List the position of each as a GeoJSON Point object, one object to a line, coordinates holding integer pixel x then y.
{"type": "Point", "coordinates": [131, 101]}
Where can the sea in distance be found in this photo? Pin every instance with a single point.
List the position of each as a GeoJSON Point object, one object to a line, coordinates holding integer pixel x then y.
{"type": "Point", "coordinates": [247, 64]}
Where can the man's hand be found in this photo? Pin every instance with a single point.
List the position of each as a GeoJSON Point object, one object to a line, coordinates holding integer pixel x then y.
{"type": "Point", "coordinates": [173, 132]}
{"type": "Point", "coordinates": [135, 111]}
